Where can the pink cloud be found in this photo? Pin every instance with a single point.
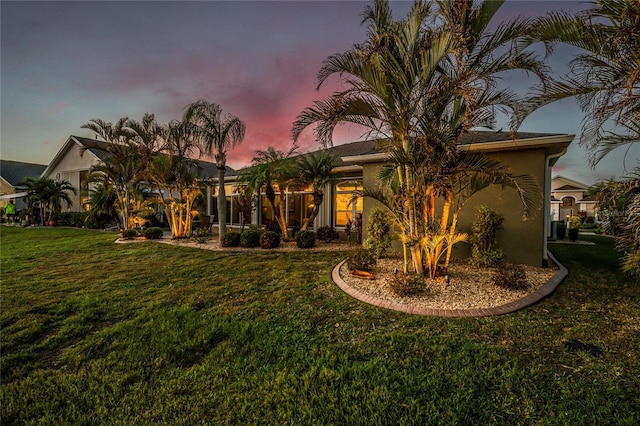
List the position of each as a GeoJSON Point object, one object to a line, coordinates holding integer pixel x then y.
{"type": "Point", "coordinates": [57, 108]}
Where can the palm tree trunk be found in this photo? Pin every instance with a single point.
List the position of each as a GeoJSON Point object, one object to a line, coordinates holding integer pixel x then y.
{"type": "Point", "coordinates": [318, 197]}
{"type": "Point", "coordinates": [282, 214]}
{"type": "Point", "coordinates": [222, 204]}
{"type": "Point", "coordinates": [452, 231]}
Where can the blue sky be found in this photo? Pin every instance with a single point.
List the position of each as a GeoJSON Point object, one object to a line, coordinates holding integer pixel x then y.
{"type": "Point", "coordinates": [65, 63]}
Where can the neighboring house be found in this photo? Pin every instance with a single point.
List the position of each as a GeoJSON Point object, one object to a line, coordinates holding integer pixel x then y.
{"type": "Point", "coordinates": [569, 198]}
{"type": "Point", "coordinates": [12, 172]}
{"type": "Point", "coordinates": [529, 153]}
{"type": "Point", "coordinates": [76, 157]}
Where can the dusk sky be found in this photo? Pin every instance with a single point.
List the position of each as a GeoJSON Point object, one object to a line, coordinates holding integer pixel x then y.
{"type": "Point", "coordinates": [65, 63]}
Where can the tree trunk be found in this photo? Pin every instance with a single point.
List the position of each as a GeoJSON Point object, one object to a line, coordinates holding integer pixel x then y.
{"type": "Point", "coordinates": [318, 197]}
{"type": "Point", "coordinates": [282, 215]}
{"type": "Point", "coordinates": [222, 204]}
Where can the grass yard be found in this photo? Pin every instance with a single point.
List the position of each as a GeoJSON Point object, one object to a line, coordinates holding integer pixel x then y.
{"type": "Point", "coordinates": [100, 333]}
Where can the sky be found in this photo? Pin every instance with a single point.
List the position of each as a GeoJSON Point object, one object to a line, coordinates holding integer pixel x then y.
{"type": "Point", "coordinates": [65, 63]}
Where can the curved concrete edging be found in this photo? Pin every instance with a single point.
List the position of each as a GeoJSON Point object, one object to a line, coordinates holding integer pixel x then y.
{"type": "Point", "coordinates": [516, 305]}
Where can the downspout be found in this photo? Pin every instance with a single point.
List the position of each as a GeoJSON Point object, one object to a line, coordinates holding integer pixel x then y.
{"type": "Point", "coordinates": [547, 202]}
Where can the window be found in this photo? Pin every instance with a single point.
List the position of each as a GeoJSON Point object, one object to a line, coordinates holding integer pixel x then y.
{"type": "Point", "coordinates": [567, 202]}
{"type": "Point", "coordinates": [346, 206]}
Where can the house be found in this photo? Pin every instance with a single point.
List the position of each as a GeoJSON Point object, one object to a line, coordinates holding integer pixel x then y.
{"type": "Point", "coordinates": [570, 198]}
{"type": "Point", "coordinates": [529, 153]}
{"type": "Point", "coordinates": [12, 172]}
{"type": "Point", "coordinates": [75, 159]}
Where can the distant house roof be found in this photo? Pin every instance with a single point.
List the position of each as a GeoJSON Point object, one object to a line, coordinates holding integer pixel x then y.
{"type": "Point", "coordinates": [14, 171]}
{"type": "Point", "coordinates": [100, 149]}
{"type": "Point", "coordinates": [569, 188]}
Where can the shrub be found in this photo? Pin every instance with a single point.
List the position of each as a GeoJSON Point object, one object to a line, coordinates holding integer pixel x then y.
{"type": "Point", "coordinates": [361, 259]}
{"type": "Point", "coordinates": [269, 240]}
{"type": "Point", "coordinates": [153, 233]}
{"type": "Point", "coordinates": [201, 235]}
{"type": "Point", "coordinates": [250, 238]}
{"type": "Point", "coordinates": [486, 225]}
{"type": "Point", "coordinates": [75, 219]}
{"type": "Point", "coordinates": [273, 226]}
{"type": "Point", "coordinates": [511, 276]}
{"type": "Point", "coordinates": [326, 234]}
{"type": "Point", "coordinates": [590, 219]}
{"type": "Point", "coordinates": [378, 227]}
{"type": "Point", "coordinates": [305, 239]}
{"type": "Point", "coordinates": [129, 234]}
{"type": "Point", "coordinates": [230, 239]}
{"type": "Point", "coordinates": [598, 231]}
{"type": "Point", "coordinates": [405, 284]}
{"type": "Point", "coordinates": [575, 222]}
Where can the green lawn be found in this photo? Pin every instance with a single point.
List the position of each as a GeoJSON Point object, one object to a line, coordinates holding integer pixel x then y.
{"type": "Point", "coordinates": [100, 333]}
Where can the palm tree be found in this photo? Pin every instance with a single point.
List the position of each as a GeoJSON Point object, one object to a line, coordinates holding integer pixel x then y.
{"type": "Point", "coordinates": [269, 169]}
{"type": "Point", "coordinates": [315, 170]}
{"type": "Point", "coordinates": [47, 194]}
{"type": "Point", "coordinates": [122, 167]}
{"type": "Point", "coordinates": [421, 82]}
{"type": "Point", "coordinates": [215, 134]}
{"type": "Point", "coordinates": [604, 77]}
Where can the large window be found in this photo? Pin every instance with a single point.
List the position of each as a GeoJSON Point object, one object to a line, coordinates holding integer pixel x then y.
{"type": "Point", "coordinates": [346, 205]}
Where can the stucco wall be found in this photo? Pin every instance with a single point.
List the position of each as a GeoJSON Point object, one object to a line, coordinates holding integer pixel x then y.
{"type": "Point", "coordinates": [69, 167]}
{"type": "Point", "coordinates": [522, 241]}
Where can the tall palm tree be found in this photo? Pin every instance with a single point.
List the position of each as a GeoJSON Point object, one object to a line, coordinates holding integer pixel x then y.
{"type": "Point", "coordinates": [315, 170]}
{"type": "Point", "coordinates": [604, 76]}
{"type": "Point", "coordinates": [269, 169]}
{"type": "Point", "coordinates": [122, 167]}
{"type": "Point", "coordinates": [216, 133]}
{"type": "Point", "coordinates": [421, 82]}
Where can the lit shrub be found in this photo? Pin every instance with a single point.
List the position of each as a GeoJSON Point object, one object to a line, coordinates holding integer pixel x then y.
{"type": "Point", "coordinates": [485, 226]}
{"type": "Point", "coordinates": [129, 234]}
{"type": "Point", "coordinates": [230, 239]}
{"type": "Point", "coordinates": [305, 239]}
{"type": "Point", "coordinates": [405, 284]}
{"type": "Point", "coordinates": [153, 233]}
{"type": "Point", "coordinates": [269, 240]}
{"type": "Point", "coordinates": [511, 276]}
{"type": "Point", "coordinates": [378, 228]}
{"type": "Point", "coordinates": [250, 238]}
{"type": "Point", "coordinates": [201, 235]}
{"type": "Point", "coordinates": [326, 234]}
{"type": "Point", "coordinates": [361, 259]}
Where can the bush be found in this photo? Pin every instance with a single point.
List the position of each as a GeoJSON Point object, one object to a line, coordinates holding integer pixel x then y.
{"type": "Point", "coordinates": [511, 276]}
{"type": "Point", "coordinates": [153, 233]}
{"type": "Point", "coordinates": [250, 238]}
{"type": "Point", "coordinates": [590, 219]}
{"type": "Point", "coordinates": [305, 239]}
{"type": "Point", "coordinates": [326, 234]}
{"type": "Point", "coordinates": [407, 284]}
{"type": "Point", "coordinates": [378, 228]}
{"type": "Point", "coordinates": [201, 235]}
{"type": "Point", "coordinates": [273, 226]}
{"type": "Point", "coordinates": [486, 225]}
{"type": "Point", "coordinates": [361, 259]}
{"type": "Point", "coordinates": [575, 222]}
{"type": "Point", "coordinates": [75, 219]}
{"type": "Point", "coordinates": [230, 239]}
{"type": "Point", "coordinates": [269, 240]}
{"type": "Point", "coordinates": [129, 234]}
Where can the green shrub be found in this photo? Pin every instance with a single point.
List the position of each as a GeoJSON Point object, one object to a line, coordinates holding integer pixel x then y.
{"type": "Point", "coordinates": [575, 222]}
{"type": "Point", "coordinates": [230, 239]}
{"type": "Point", "coordinates": [129, 234]}
{"type": "Point", "coordinates": [273, 226]}
{"type": "Point", "coordinates": [201, 235]}
{"type": "Point", "coordinates": [250, 238]}
{"type": "Point", "coordinates": [378, 228]}
{"type": "Point", "coordinates": [305, 239]}
{"type": "Point", "coordinates": [407, 284]}
{"type": "Point", "coordinates": [486, 225]}
{"type": "Point", "coordinates": [511, 276]}
{"type": "Point", "coordinates": [598, 231]}
{"type": "Point", "coordinates": [361, 259]}
{"type": "Point", "coordinates": [590, 219]}
{"type": "Point", "coordinates": [153, 233]}
{"type": "Point", "coordinates": [326, 234]}
{"type": "Point", "coordinates": [75, 219]}
{"type": "Point", "coordinates": [269, 240]}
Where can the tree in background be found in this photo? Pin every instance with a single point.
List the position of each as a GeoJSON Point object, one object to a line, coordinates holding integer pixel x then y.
{"type": "Point", "coordinates": [216, 134]}
{"type": "Point", "coordinates": [315, 170]}
{"type": "Point", "coordinates": [47, 194]}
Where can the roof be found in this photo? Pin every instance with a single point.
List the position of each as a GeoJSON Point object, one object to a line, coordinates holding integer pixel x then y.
{"type": "Point", "coordinates": [14, 171]}
{"type": "Point", "coordinates": [569, 188]}
{"type": "Point", "coordinates": [101, 150]}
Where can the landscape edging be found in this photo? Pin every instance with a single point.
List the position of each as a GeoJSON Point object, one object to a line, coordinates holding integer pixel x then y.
{"type": "Point", "coordinates": [530, 299]}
